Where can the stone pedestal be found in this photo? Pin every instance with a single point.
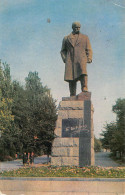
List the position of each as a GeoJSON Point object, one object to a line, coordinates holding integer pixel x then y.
{"type": "Point", "coordinates": [74, 144]}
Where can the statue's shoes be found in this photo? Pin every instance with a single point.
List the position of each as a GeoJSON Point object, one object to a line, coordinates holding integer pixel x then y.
{"type": "Point", "coordinates": [85, 89]}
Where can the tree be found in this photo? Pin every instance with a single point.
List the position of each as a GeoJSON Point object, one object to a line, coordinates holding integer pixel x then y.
{"type": "Point", "coordinates": [35, 115]}
{"type": "Point", "coordinates": [27, 115]}
{"type": "Point", "coordinates": [5, 80]}
{"type": "Point", "coordinates": [6, 117]}
{"type": "Point", "coordinates": [119, 110]}
{"type": "Point", "coordinates": [114, 134]}
{"type": "Point", "coordinates": [5, 113]}
{"type": "Point", "coordinates": [46, 123]}
{"type": "Point", "coordinates": [42, 114]}
{"type": "Point", "coordinates": [5, 97]}
{"type": "Point", "coordinates": [97, 145]}
{"type": "Point", "coordinates": [20, 110]}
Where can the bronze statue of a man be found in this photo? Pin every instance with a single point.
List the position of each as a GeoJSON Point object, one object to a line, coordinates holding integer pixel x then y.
{"type": "Point", "coordinates": [76, 52]}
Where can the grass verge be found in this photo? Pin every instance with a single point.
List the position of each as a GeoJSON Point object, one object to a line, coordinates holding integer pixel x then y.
{"type": "Point", "coordinates": [50, 171]}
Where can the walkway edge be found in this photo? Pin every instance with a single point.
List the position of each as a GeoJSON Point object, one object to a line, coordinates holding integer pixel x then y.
{"type": "Point", "coordinates": [63, 179]}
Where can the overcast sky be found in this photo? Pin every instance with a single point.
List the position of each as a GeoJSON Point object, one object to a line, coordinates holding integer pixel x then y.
{"type": "Point", "coordinates": [31, 33]}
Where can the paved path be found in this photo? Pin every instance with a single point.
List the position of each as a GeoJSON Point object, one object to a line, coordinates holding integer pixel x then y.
{"type": "Point", "coordinates": [101, 159]}
{"type": "Point", "coordinates": [9, 165]}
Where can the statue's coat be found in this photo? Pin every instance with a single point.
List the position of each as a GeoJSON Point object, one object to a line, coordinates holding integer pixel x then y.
{"type": "Point", "coordinates": [75, 56]}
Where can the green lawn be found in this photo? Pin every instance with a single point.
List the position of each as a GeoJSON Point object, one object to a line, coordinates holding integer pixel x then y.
{"type": "Point", "coordinates": [50, 171]}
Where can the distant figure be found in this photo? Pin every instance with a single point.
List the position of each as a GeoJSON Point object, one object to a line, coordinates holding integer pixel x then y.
{"type": "Point", "coordinates": [76, 52]}
{"type": "Point", "coordinates": [32, 158]}
{"type": "Point", "coordinates": [16, 155]}
{"type": "Point", "coordinates": [25, 158]}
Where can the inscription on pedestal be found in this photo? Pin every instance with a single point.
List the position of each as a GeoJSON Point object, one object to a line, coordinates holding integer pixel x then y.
{"type": "Point", "coordinates": [71, 127]}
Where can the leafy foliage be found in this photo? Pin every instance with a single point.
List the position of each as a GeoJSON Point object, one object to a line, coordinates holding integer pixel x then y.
{"type": "Point", "coordinates": [27, 115]}
{"type": "Point", "coordinates": [114, 134]}
{"type": "Point", "coordinates": [41, 115]}
{"type": "Point", "coordinates": [97, 145]}
{"type": "Point", "coordinates": [6, 116]}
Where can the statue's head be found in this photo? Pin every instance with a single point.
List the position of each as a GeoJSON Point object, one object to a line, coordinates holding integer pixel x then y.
{"type": "Point", "coordinates": [76, 27]}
